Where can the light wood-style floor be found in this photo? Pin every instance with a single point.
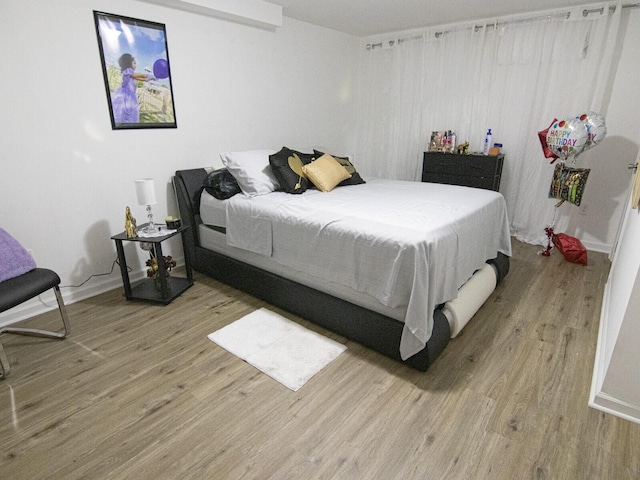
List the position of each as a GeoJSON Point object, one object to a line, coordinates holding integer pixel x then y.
{"type": "Point", "coordinates": [139, 392]}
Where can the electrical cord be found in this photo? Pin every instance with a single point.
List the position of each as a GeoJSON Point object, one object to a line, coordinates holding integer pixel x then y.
{"type": "Point", "coordinates": [113, 265]}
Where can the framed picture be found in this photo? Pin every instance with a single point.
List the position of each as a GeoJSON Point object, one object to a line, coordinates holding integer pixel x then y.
{"type": "Point", "coordinates": [137, 73]}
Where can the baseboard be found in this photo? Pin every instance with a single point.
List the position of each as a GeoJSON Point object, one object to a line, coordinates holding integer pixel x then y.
{"type": "Point", "coordinates": [599, 361]}
{"type": "Point", "coordinates": [47, 301]}
{"type": "Point", "coordinates": [608, 404]}
{"type": "Point", "coordinates": [597, 246]}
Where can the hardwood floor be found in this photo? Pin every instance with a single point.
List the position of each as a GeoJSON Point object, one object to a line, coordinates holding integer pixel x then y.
{"type": "Point", "coordinates": [138, 392]}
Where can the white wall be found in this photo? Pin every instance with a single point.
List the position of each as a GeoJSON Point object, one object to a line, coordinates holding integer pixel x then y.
{"type": "Point", "coordinates": [67, 176]}
{"type": "Point", "coordinates": [597, 220]}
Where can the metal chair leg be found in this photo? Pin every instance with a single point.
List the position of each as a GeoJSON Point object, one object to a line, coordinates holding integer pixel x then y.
{"type": "Point", "coordinates": [5, 366]}
{"type": "Point", "coordinates": [35, 332]}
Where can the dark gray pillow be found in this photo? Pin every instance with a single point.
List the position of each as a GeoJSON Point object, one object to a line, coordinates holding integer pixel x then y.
{"type": "Point", "coordinates": [221, 184]}
{"type": "Point", "coordinates": [287, 168]}
{"type": "Point", "coordinates": [355, 179]}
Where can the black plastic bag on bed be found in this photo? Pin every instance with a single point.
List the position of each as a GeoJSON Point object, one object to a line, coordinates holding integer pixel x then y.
{"type": "Point", "coordinates": [221, 184]}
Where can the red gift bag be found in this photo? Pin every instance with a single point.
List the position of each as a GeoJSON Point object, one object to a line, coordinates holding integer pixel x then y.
{"type": "Point", "coordinates": [570, 247]}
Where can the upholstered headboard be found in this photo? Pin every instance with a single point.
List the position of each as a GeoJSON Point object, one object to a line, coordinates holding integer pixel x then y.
{"type": "Point", "coordinates": [188, 187]}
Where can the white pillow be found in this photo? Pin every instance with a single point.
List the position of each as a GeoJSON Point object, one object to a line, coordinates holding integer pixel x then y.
{"type": "Point", "coordinates": [252, 171]}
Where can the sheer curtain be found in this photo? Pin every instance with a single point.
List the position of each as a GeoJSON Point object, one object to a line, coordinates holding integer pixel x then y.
{"type": "Point", "coordinates": [513, 75]}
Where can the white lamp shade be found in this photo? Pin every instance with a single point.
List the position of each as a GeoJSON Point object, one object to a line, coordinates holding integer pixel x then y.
{"type": "Point", "coordinates": [146, 191]}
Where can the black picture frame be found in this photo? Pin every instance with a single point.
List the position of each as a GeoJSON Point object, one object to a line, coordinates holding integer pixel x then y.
{"type": "Point", "coordinates": [137, 75]}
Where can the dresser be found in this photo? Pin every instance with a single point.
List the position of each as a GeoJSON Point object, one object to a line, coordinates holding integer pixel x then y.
{"type": "Point", "coordinates": [480, 171]}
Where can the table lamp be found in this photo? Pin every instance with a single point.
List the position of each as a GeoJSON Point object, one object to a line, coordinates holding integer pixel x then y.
{"type": "Point", "coordinates": [146, 192]}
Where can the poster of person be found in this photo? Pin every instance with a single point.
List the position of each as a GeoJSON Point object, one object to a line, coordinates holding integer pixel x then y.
{"type": "Point", "coordinates": [137, 75]}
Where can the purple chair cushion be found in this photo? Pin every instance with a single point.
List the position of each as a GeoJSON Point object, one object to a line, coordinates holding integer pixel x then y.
{"type": "Point", "coordinates": [14, 259]}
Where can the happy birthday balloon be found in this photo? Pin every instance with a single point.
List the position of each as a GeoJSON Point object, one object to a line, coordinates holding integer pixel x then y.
{"type": "Point", "coordinates": [566, 138]}
{"type": "Point", "coordinates": [542, 136]}
{"type": "Point", "coordinates": [596, 128]}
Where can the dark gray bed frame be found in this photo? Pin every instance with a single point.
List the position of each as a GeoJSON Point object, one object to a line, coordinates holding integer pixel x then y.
{"type": "Point", "coordinates": [371, 329]}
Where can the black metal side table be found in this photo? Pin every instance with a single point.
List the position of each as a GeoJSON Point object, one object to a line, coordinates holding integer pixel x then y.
{"type": "Point", "coordinates": [169, 288]}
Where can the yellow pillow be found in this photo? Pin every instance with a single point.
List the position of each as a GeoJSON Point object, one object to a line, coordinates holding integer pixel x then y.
{"type": "Point", "coordinates": [325, 172]}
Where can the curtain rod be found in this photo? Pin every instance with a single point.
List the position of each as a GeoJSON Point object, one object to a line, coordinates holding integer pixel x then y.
{"type": "Point", "coordinates": [567, 15]}
{"type": "Point", "coordinates": [391, 43]}
{"type": "Point", "coordinates": [585, 13]}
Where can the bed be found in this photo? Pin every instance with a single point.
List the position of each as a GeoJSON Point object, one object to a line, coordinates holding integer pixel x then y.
{"type": "Point", "coordinates": [378, 261]}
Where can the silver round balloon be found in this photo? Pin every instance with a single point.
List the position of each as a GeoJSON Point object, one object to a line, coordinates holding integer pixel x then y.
{"type": "Point", "coordinates": [596, 128]}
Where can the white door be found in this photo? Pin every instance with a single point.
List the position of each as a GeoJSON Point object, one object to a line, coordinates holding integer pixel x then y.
{"type": "Point", "coordinates": [616, 378]}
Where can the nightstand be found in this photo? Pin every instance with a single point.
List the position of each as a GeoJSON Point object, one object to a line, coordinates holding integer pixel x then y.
{"type": "Point", "coordinates": [480, 171]}
{"type": "Point", "coordinates": [170, 287]}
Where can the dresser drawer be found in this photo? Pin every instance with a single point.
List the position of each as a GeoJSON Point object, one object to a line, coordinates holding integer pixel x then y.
{"type": "Point", "coordinates": [487, 183]}
{"type": "Point", "coordinates": [480, 171]}
{"type": "Point", "coordinates": [440, 163]}
{"type": "Point", "coordinates": [477, 165]}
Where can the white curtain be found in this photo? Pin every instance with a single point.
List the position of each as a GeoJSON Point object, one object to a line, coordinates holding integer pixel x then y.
{"type": "Point", "coordinates": [513, 75]}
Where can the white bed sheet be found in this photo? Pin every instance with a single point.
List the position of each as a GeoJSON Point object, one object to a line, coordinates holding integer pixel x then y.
{"type": "Point", "coordinates": [213, 211]}
{"type": "Point", "coordinates": [407, 244]}
{"type": "Point", "coordinates": [217, 241]}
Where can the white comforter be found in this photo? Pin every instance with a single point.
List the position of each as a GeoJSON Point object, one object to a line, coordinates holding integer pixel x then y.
{"type": "Point", "coordinates": [405, 243]}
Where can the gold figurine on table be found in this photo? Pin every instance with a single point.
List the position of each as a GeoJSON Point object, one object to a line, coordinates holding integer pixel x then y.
{"type": "Point", "coordinates": [463, 148]}
{"type": "Point", "coordinates": [130, 227]}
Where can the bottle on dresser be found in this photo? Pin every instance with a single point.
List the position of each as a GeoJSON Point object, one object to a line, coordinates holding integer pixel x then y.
{"type": "Point", "coordinates": [487, 142]}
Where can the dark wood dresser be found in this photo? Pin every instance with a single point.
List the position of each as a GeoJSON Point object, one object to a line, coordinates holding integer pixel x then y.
{"type": "Point", "coordinates": [480, 171]}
